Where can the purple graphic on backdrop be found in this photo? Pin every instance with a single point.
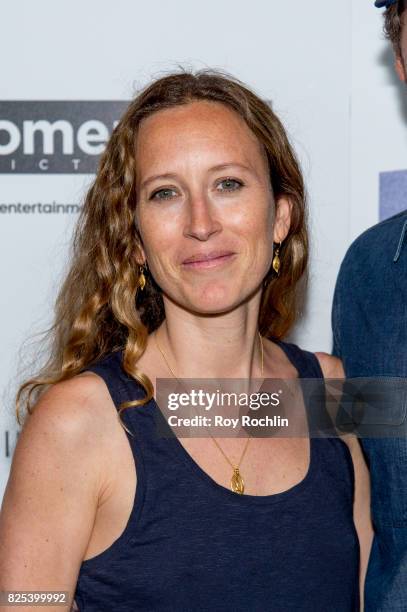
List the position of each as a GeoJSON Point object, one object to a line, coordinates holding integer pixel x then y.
{"type": "Point", "coordinates": [393, 193]}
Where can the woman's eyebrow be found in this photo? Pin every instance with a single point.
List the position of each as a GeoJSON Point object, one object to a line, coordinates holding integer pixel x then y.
{"type": "Point", "coordinates": [170, 175]}
{"type": "Point", "coordinates": [229, 164]}
{"type": "Point", "coordinates": [156, 177]}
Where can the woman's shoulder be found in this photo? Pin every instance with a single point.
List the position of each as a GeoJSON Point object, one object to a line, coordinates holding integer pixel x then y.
{"type": "Point", "coordinates": [331, 366]}
{"type": "Point", "coordinates": [74, 416]}
{"type": "Point", "coordinates": [60, 470]}
{"type": "Point", "coordinates": [74, 428]}
{"type": "Point", "coordinates": [74, 402]}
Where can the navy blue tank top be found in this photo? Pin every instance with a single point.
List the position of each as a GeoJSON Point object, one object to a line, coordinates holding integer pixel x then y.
{"type": "Point", "coordinates": [191, 544]}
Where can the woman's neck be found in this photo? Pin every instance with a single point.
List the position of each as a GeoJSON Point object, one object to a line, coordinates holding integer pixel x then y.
{"type": "Point", "coordinates": [206, 348]}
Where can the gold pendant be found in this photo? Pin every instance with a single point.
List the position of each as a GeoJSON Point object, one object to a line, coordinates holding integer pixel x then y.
{"type": "Point", "coordinates": [237, 483]}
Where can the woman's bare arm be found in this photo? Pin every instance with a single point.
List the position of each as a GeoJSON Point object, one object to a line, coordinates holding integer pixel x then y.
{"type": "Point", "coordinates": [332, 368]}
{"type": "Point", "coordinates": [361, 507]}
{"type": "Point", "coordinates": [53, 491]}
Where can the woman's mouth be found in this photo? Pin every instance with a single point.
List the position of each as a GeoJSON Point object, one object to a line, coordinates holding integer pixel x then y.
{"type": "Point", "coordinates": [207, 261]}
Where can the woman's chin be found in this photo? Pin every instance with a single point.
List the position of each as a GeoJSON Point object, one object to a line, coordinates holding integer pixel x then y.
{"type": "Point", "coordinates": [214, 302]}
{"type": "Point", "coordinates": [214, 298]}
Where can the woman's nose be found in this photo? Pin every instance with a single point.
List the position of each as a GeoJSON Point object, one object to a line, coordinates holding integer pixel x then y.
{"type": "Point", "coordinates": [201, 221]}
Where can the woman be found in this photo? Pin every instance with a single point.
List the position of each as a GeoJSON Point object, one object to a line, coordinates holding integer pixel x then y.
{"type": "Point", "coordinates": [175, 273]}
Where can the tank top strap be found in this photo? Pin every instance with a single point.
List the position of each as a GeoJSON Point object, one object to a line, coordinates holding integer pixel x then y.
{"type": "Point", "coordinates": [306, 362]}
{"type": "Point", "coordinates": [144, 421]}
{"type": "Point", "coordinates": [320, 422]}
{"type": "Point", "coordinates": [108, 368]}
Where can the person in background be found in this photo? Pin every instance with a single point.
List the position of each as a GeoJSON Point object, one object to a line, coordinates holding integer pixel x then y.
{"type": "Point", "coordinates": [369, 320]}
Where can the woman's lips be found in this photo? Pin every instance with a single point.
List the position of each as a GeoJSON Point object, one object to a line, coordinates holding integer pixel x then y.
{"type": "Point", "coordinates": [209, 263]}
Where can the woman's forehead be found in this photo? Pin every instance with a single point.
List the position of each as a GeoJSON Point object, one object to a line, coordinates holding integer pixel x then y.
{"type": "Point", "coordinates": [200, 127]}
{"type": "Point", "coordinates": [194, 110]}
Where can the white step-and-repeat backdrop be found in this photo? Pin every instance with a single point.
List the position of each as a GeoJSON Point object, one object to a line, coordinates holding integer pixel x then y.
{"type": "Point", "coordinates": [72, 65]}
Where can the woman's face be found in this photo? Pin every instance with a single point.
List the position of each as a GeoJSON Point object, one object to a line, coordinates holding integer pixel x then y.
{"type": "Point", "coordinates": [203, 191]}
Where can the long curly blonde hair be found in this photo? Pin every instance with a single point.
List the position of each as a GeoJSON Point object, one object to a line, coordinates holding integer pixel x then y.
{"type": "Point", "coordinates": [99, 308]}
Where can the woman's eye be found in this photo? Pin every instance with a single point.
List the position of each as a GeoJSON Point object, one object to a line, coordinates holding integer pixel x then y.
{"type": "Point", "coordinates": [162, 194]}
{"type": "Point", "coordinates": [230, 184]}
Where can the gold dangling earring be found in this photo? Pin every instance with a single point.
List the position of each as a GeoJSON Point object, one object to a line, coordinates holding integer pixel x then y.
{"type": "Point", "coordinates": [142, 278]}
{"type": "Point", "coordinates": [276, 260]}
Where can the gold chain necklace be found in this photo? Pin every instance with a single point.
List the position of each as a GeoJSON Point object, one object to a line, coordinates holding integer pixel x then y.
{"type": "Point", "coordinates": [236, 482]}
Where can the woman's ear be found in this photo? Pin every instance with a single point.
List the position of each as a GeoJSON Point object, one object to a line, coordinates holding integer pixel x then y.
{"type": "Point", "coordinates": [282, 221]}
{"type": "Point", "coordinates": [140, 255]}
